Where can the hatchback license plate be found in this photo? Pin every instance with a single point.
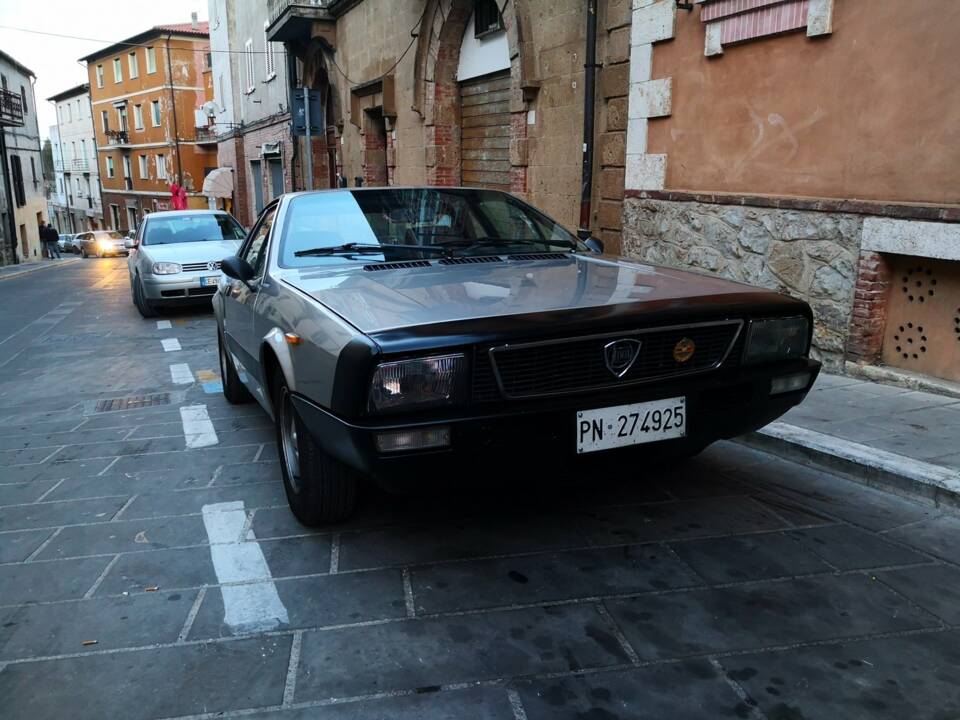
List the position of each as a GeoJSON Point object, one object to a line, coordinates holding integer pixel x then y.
{"type": "Point", "coordinates": [209, 280]}
{"type": "Point", "coordinates": [622, 425]}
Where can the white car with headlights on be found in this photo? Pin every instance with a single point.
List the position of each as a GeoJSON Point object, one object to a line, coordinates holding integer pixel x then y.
{"type": "Point", "coordinates": [175, 257]}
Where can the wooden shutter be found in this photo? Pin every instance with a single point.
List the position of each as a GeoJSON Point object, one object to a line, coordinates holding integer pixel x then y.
{"type": "Point", "coordinates": [485, 137]}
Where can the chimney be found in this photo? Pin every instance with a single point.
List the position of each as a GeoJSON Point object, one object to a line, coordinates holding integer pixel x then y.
{"type": "Point", "coordinates": [193, 21]}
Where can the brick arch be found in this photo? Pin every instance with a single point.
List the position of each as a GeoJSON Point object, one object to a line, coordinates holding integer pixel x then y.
{"type": "Point", "coordinates": [318, 76]}
{"type": "Point", "coordinates": [437, 94]}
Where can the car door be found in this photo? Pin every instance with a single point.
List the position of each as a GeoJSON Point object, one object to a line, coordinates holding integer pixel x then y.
{"type": "Point", "coordinates": [239, 298]}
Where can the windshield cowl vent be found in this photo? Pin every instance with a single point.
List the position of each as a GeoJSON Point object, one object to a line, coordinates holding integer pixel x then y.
{"type": "Point", "coordinates": [399, 265]}
{"type": "Point", "coordinates": [540, 256]}
{"type": "Point", "coordinates": [470, 260]}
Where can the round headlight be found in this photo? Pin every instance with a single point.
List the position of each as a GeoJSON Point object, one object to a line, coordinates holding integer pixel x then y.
{"type": "Point", "coordinates": [166, 268]}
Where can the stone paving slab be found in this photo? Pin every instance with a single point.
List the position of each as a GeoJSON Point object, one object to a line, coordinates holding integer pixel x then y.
{"type": "Point", "coordinates": [118, 622]}
{"type": "Point", "coordinates": [721, 620]}
{"type": "Point", "coordinates": [644, 693]}
{"type": "Point", "coordinates": [151, 683]}
{"type": "Point", "coordinates": [895, 678]}
{"type": "Point", "coordinates": [471, 585]}
{"type": "Point", "coordinates": [23, 583]}
{"type": "Point", "coordinates": [430, 652]}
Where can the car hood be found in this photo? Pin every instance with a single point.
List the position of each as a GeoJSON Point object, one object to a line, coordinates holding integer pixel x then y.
{"type": "Point", "coordinates": [379, 300]}
{"type": "Point", "coordinates": [191, 252]}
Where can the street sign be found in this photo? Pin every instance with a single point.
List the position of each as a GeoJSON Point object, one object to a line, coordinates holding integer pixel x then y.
{"type": "Point", "coordinates": [299, 114]}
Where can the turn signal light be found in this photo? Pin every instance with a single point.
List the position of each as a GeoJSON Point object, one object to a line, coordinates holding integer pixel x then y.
{"type": "Point", "coordinates": [413, 439]}
{"type": "Point", "coordinates": [292, 338]}
{"type": "Point", "coordinates": [789, 383]}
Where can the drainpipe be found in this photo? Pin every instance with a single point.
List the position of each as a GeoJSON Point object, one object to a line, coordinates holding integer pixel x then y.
{"type": "Point", "coordinates": [8, 192]}
{"type": "Point", "coordinates": [589, 73]}
{"type": "Point", "coordinates": [173, 106]}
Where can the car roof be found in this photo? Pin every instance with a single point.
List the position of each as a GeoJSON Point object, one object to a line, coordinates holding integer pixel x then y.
{"type": "Point", "coordinates": [374, 188]}
{"type": "Point", "coordinates": [183, 213]}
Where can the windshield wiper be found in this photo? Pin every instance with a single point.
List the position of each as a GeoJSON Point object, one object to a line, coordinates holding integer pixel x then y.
{"type": "Point", "coordinates": [491, 242]}
{"type": "Point", "coordinates": [369, 248]}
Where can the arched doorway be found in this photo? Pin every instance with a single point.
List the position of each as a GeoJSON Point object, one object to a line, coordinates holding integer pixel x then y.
{"type": "Point", "coordinates": [453, 134]}
{"type": "Point", "coordinates": [327, 165]}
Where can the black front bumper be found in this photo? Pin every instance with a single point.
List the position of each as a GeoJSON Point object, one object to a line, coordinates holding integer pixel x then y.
{"type": "Point", "coordinates": [719, 405]}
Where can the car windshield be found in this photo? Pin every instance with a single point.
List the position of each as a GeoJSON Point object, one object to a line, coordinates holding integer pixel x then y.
{"type": "Point", "coordinates": [384, 222]}
{"type": "Point", "coordinates": [191, 228]}
{"type": "Point", "coordinates": [104, 234]}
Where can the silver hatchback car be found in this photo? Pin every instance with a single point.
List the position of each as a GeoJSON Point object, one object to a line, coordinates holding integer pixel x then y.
{"type": "Point", "coordinates": [404, 334]}
{"type": "Point", "coordinates": [175, 257]}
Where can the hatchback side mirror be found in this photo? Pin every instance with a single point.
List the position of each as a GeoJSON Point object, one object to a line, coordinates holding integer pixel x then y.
{"type": "Point", "coordinates": [129, 243]}
{"type": "Point", "coordinates": [594, 244]}
{"type": "Point", "coordinates": [237, 268]}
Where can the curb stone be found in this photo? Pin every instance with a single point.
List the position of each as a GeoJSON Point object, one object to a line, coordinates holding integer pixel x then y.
{"type": "Point", "coordinates": [911, 478]}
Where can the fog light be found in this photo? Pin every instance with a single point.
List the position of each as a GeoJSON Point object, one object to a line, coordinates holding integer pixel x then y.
{"type": "Point", "coordinates": [415, 439]}
{"type": "Point", "coordinates": [789, 383]}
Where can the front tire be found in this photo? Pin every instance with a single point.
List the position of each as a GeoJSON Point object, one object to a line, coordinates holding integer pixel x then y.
{"type": "Point", "coordinates": [83, 253]}
{"type": "Point", "coordinates": [320, 489]}
{"type": "Point", "coordinates": [233, 389]}
{"type": "Point", "coordinates": [146, 309]}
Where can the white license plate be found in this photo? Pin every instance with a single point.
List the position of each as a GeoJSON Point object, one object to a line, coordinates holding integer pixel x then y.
{"type": "Point", "coordinates": [622, 425]}
{"type": "Point", "coordinates": [209, 280]}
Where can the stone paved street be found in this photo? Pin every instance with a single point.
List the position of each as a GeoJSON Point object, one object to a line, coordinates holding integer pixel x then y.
{"type": "Point", "coordinates": [736, 585]}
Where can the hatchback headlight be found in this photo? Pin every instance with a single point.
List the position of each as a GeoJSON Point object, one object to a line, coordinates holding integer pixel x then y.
{"type": "Point", "coordinates": [421, 382]}
{"type": "Point", "coordinates": [166, 268]}
{"type": "Point", "coordinates": [777, 339]}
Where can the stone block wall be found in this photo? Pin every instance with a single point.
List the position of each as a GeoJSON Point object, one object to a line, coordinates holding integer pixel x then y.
{"type": "Point", "coordinates": [810, 255]}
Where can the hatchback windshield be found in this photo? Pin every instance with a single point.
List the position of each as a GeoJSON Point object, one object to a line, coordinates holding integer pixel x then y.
{"type": "Point", "coordinates": [105, 234]}
{"type": "Point", "coordinates": [191, 228]}
{"type": "Point", "coordinates": [472, 222]}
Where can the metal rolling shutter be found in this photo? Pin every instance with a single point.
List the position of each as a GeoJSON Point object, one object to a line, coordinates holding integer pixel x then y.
{"type": "Point", "coordinates": [485, 138]}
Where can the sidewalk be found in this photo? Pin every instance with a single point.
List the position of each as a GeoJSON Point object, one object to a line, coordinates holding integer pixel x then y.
{"type": "Point", "coordinates": [902, 440]}
{"type": "Point", "coordinates": [12, 271]}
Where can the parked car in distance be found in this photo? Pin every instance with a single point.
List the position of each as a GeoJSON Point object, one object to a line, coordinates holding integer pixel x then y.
{"type": "Point", "coordinates": [175, 257]}
{"type": "Point", "coordinates": [101, 243]}
{"type": "Point", "coordinates": [407, 333]}
{"type": "Point", "coordinates": [65, 242]}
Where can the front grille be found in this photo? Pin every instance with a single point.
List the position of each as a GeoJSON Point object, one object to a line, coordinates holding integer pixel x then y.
{"type": "Point", "coordinates": [567, 366]}
{"type": "Point", "coordinates": [172, 293]}
{"type": "Point", "coordinates": [194, 267]}
{"type": "Point", "coordinates": [202, 291]}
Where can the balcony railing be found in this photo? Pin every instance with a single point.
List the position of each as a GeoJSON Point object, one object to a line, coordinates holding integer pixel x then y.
{"type": "Point", "coordinates": [206, 134]}
{"type": "Point", "coordinates": [11, 109]}
{"type": "Point", "coordinates": [117, 137]}
{"type": "Point", "coordinates": [79, 165]}
{"type": "Point", "coordinates": [57, 165]}
{"type": "Point", "coordinates": [291, 19]}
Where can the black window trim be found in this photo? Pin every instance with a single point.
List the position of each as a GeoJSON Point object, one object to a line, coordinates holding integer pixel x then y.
{"type": "Point", "coordinates": [271, 207]}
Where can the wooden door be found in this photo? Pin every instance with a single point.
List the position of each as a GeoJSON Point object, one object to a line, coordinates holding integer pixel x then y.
{"type": "Point", "coordinates": [485, 135]}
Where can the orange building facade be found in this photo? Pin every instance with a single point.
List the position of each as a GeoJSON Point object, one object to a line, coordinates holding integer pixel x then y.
{"type": "Point", "coordinates": [147, 95]}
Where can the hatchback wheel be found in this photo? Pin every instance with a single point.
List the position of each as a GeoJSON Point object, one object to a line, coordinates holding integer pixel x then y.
{"type": "Point", "coordinates": [319, 489]}
{"type": "Point", "coordinates": [233, 389]}
{"type": "Point", "coordinates": [143, 305]}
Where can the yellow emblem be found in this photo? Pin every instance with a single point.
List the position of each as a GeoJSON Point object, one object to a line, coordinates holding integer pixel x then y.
{"type": "Point", "coordinates": [684, 349]}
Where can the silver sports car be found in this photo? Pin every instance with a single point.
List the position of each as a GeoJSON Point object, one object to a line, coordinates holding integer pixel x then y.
{"type": "Point", "coordinates": [410, 334]}
{"type": "Point", "coordinates": [175, 257]}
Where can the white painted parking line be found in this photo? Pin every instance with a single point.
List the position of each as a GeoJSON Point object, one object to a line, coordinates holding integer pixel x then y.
{"type": "Point", "coordinates": [170, 344]}
{"type": "Point", "coordinates": [197, 428]}
{"type": "Point", "coordinates": [253, 607]}
{"type": "Point", "coordinates": [163, 325]}
{"type": "Point", "coordinates": [180, 374]}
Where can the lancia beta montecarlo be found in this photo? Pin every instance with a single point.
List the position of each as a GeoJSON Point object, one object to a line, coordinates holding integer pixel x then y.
{"type": "Point", "coordinates": [394, 333]}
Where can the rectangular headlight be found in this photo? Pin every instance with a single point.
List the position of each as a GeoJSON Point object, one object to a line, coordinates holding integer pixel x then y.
{"type": "Point", "coordinates": [777, 339]}
{"type": "Point", "coordinates": [421, 382]}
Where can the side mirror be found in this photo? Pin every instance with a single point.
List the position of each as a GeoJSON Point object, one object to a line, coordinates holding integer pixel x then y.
{"type": "Point", "coordinates": [594, 244]}
{"type": "Point", "coordinates": [237, 268]}
{"type": "Point", "coordinates": [129, 243]}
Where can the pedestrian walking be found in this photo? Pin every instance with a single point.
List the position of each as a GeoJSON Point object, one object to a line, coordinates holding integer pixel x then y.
{"type": "Point", "coordinates": [51, 238]}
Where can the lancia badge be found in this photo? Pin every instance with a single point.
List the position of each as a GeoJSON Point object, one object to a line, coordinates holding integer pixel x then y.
{"type": "Point", "coordinates": [620, 355]}
{"type": "Point", "coordinates": [684, 349]}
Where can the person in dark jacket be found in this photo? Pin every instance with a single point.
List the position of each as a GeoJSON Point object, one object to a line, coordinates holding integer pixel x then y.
{"type": "Point", "coordinates": [50, 238]}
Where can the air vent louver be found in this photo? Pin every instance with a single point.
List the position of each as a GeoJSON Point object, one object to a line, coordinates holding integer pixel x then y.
{"type": "Point", "coordinates": [540, 256]}
{"type": "Point", "coordinates": [401, 265]}
{"type": "Point", "coordinates": [470, 260]}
